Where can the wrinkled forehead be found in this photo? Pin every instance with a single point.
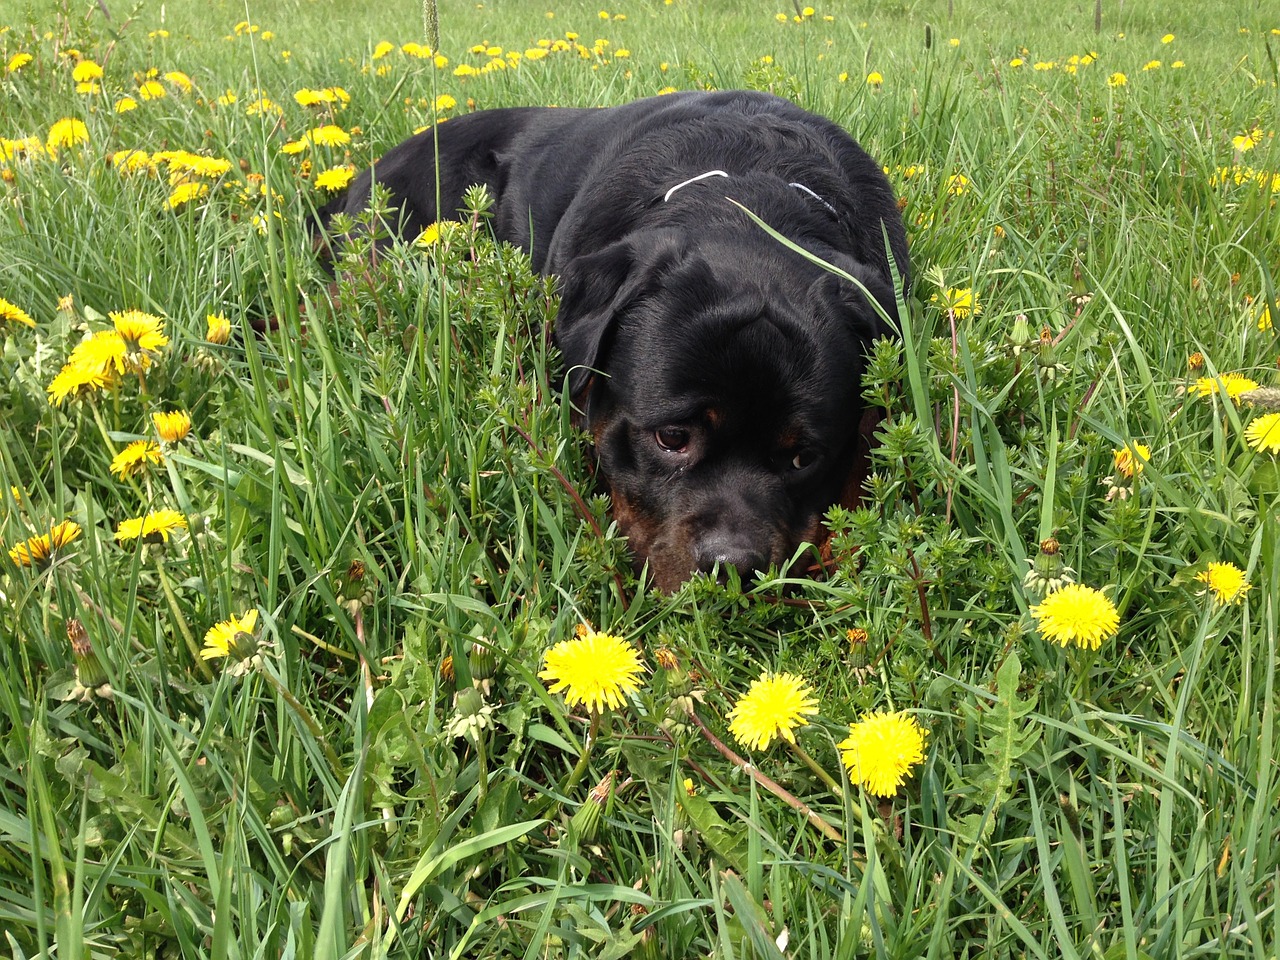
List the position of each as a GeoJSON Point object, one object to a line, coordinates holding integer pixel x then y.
{"type": "Point", "coordinates": [755, 359]}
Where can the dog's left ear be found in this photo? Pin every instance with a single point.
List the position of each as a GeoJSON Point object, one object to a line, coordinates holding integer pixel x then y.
{"type": "Point", "coordinates": [596, 289]}
{"type": "Point", "coordinates": [867, 322]}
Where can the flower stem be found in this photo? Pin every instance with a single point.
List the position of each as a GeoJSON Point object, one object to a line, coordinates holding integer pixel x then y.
{"type": "Point", "coordinates": [581, 766]}
{"type": "Point", "coordinates": [821, 774]}
{"type": "Point", "coordinates": [795, 803]}
{"type": "Point", "coordinates": [183, 627]}
{"type": "Point", "coordinates": [308, 721]}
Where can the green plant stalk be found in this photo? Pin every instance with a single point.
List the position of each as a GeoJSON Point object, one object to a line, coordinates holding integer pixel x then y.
{"type": "Point", "coordinates": [817, 768]}
{"type": "Point", "coordinates": [584, 758]}
{"type": "Point", "coordinates": [176, 609]}
{"type": "Point", "coordinates": [795, 803]}
{"type": "Point", "coordinates": [309, 721]}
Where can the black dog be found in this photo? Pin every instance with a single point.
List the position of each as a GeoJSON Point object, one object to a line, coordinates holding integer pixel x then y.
{"type": "Point", "coordinates": [718, 371]}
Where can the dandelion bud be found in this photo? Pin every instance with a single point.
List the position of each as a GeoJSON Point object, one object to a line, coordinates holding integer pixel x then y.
{"type": "Point", "coordinates": [90, 674]}
{"type": "Point", "coordinates": [586, 819]}
{"type": "Point", "coordinates": [1049, 572]}
{"type": "Point", "coordinates": [857, 648]}
{"type": "Point", "coordinates": [483, 663]}
{"type": "Point", "coordinates": [665, 658]}
{"type": "Point", "coordinates": [1047, 356]}
{"type": "Point", "coordinates": [1020, 335]}
{"type": "Point", "coordinates": [471, 715]}
{"type": "Point", "coordinates": [1195, 361]}
{"type": "Point", "coordinates": [469, 702]}
{"type": "Point", "coordinates": [446, 669]}
{"type": "Point", "coordinates": [353, 587]}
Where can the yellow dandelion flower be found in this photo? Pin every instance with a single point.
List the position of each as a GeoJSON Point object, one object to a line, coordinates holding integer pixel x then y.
{"type": "Point", "coordinates": [104, 352]}
{"type": "Point", "coordinates": [1263, 434]}
{"type": "Point", "coordinates": [152, 90]}
{"type": "Point", "coordinates": [773, 706]}
{"type": "Point", "coordinates": [156, 526]}
{"type": "Point", "coordinates": [1167, 38]}
{"type": "Point", "coordinates": [261, 106]}
{"type": "Point", "coordinates": [329, 135]}
{"type": "Point", "coordinates": [1151, 65]}
{"type": "Point", "coordinates": [186, 192]}
{"type": "Point", "coordinates": [185, 162]}
{"type": "Point", "coordinates": [219, 328]}
{"type": "Point", "coordinates": [131, 161]}
{"type": "Point", "coordinates": [135, 458]}
{"type": "Point", "coordinates": [445, 102]}
{"type": "Point", "coordinates": [141, 332]}
{"type": "Point", "coordinates": [231, 638]}
{"type": "Point", "coordinates": [38, 551]}
{"type": "Point", "coordinates": [1225, 582]}
{"type": "Point", "coordinates": [74, 382]}
{"type": "Point", "coordinates": [11, 313]}
{"type": "Point", "coordinates": [1264, 318]}
{"type": "Point", "coordinates": [881, 750]}
{"type": "Point", "coordinates": [1131, 459]}
{"type": "Point", "coordinates": [179, 80]}
{"type": "Point", "coordinates": [67, 132]}
{"type": "Point", "coordinates": [875, 78]}
{"type": "Point", "coordinates": [1232, 384]}
{"type": "Point", "coordinates": [334, 179]}
{"type": "Point", "coordinates": [1016, 62]}
{"type": "Point", "coordinates": [1117, 79]}
{"type": "Point", "coordinates": [17, 62]}
{"type": "Point", "coordinates": [962, 301]}
{"type": "Point", "coordinates": [1076, 614]}
{"type": "Point", "coordinates": [1248, 140]}
{"type": "Point", "coordinates": [430, 235]}
{"type": "Point", "coordinates": [382, 49]}
{"type": "Point", "coordinates": [173, 426]}
{"type": "Point", "coordinates": [125, 104]}
{"type": "Point", "coordinates": [85, 71]}
{"type": "Point", "coordinates": [597, 670]}
{"type": "Point", "coordinates": [957, 184]}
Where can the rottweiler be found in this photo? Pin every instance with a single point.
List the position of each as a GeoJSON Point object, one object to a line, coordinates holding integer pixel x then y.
{"type": "Point", "coordinates": [718, 370]}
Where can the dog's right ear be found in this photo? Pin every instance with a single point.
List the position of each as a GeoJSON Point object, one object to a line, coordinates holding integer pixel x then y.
{"type": "Point", "coordinates": [595, 291]}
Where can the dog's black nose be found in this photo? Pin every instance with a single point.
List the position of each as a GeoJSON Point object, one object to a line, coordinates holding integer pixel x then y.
{"type": "Point", "coordinates": [720, 551]}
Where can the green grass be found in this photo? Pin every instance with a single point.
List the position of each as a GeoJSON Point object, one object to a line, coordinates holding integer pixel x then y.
{"type": "Point", "coordinates": [392, 481]}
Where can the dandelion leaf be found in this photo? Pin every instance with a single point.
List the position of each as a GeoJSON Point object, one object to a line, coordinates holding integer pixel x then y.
{"type": "Point", "coordinates": [728, 843]}
{"type": "Point", "coordinates": [1006, 736]}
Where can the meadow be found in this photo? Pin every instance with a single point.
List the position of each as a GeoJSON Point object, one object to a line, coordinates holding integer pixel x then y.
{"type": "Point", "coordinates": [293, 581]}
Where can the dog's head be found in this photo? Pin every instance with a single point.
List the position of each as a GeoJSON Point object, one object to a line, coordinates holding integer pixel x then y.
{"type": "Point", "coordinates": [721, 379]}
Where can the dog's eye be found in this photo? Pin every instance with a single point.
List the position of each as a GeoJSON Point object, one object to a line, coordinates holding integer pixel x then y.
{"type": "Point", "coordinates": [672, 439]}
{"type": "Point", "coordinates": [803, 460]}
